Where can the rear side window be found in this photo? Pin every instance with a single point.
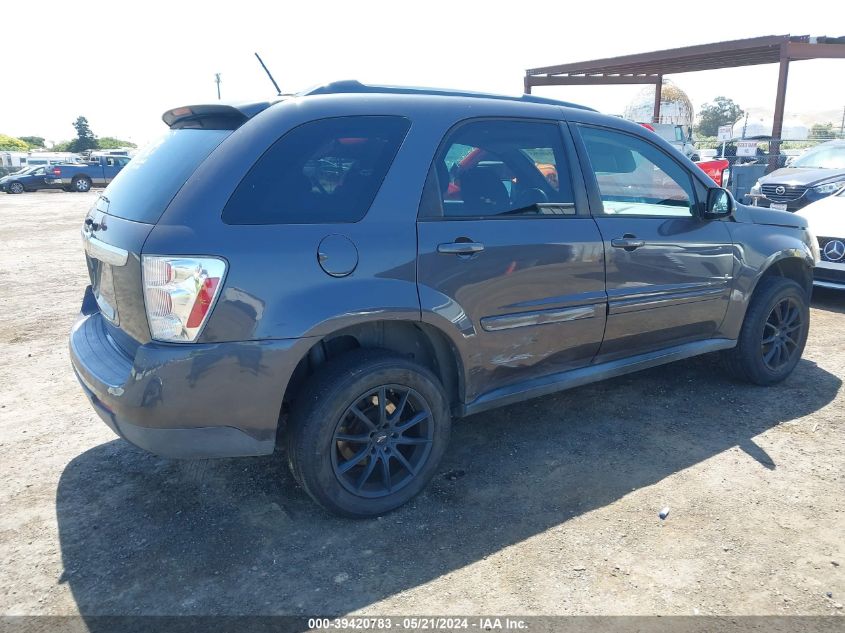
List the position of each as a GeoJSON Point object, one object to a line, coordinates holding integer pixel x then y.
{"type": "Point", "coordinates": [143, 189]}
{"type": "Point", "coordinates": [324, 171]}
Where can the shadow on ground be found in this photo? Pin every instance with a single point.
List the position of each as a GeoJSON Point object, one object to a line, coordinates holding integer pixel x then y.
{"type": "Point", "coordinates": [829, 300]}
{"type": "Point", "coordinates": [141, 535]}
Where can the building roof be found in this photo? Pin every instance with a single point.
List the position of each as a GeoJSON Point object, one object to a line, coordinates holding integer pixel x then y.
{"type": "Point", "coordinates": [646, 67]}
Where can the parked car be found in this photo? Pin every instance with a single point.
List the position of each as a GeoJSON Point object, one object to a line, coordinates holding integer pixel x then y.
{"type": "Point", "coordinates": [826, 219]}
{"type": "Point", "coordinates": [718, 169]}
{"type": "Point", "coordinates": [300, 270]}
{"type": "Point", "coordinates": [28, 179]}
{"type": "Point", "coordinates": [98, 172]}
{"type": "Point", "coordinates": [677, 135]}
{"type": "Point", "coordinates": [812, 176]}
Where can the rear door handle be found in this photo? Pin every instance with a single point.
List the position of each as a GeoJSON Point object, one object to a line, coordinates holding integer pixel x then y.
{"type": "Point", "coordinates": [460, 248]}
{"type": "Point", "coordinates": [628, 243]}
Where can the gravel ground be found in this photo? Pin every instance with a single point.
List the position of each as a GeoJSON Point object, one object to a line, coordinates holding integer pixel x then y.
{"type": "Point", "coordinates": [548, 507]}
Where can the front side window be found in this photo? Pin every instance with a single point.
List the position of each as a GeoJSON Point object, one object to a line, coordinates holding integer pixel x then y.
{"type": "Point", "coordinates": [324, 171]}
{"type": "Point", "coordinates": [636, 178]}
{"type": "Point", "coordinates": [490, 168]}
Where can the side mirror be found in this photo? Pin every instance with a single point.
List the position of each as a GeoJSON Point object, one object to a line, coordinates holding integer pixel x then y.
{"type": "Point", "coordinates": [720, 203]}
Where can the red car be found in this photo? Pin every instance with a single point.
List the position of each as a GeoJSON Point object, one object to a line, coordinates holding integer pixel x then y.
{"type": "Point", "coordinates": [719, 170]}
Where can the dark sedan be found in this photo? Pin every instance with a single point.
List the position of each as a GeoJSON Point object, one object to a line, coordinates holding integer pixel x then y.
{"type": "Point", "coordinates": [29, 179]}
{"type": "Point", "coordinates": [815, 175]}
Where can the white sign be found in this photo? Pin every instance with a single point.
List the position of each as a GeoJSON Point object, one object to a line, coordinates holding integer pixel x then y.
{"type": "Point", "coordinates": [746, 148]}
{"type": "Point", "coordinates": [725, 133]}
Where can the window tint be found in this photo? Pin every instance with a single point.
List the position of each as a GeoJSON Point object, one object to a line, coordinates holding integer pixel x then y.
{"type": "Point", "coordinates": [636, 178]}
{"type": "Point", "coordinates": [499, 168]}
{"type": "Point", "coordinates": [323, 171]}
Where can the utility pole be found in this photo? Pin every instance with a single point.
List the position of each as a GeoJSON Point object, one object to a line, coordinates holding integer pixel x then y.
{"type": "Point", "coordinates": [217, 81]}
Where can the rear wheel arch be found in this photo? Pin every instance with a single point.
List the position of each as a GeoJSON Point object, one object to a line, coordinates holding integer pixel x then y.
{"type": "Point", "coordinates": [422, 343]}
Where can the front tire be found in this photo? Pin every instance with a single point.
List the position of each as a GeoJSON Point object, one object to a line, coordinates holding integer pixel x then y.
{"type": "Point", "coordinates": [367, 432]}
{"type": "Point", "coordinates": [81, 184]}
{"type": "Point", "coordinates": [773, 334]}
{"type": "Point", "coordinates": [16, 187]}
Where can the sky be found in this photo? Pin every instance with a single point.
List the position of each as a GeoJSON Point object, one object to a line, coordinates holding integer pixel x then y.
{"type": "Point", "coordinates": [131, 60]}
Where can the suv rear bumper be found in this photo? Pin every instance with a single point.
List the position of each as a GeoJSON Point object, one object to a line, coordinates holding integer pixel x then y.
{"type": "Point", "coordinates": [185, 401]}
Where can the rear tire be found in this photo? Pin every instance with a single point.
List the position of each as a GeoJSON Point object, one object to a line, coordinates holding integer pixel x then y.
{"type": "Point", "coordinates": [367, 432]}
{"type": "Point", "coordinates": [16, 187]}
{"type": "Point", "coordinates": [81, 184]}
{"type": "Point", "coordinates": [773, 333]}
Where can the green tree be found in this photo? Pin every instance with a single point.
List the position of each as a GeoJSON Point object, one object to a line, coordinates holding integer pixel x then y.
{"type": "Point", "coordinates": [12, 144]}
{"type": "Point", "coordinates": [33, 141]}
{"type": "Point", "coordinates": [109, 142]}
{"type": "Point", "coordinates": [822, 130]}
{"type": "Point", "coordinates": [722, 111]}
{"type": "Point", "coordinates": [62, 146]}
{"type": "Point", "coordinates": [85, 138]}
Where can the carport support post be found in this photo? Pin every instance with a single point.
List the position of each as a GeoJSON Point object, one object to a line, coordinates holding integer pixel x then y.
{"type": "Point", "coordinates": [658, 95]}
{"type": "Point", "coordinates": [527, 85]}
{"type": "Point", "coordinates": [780, 104]}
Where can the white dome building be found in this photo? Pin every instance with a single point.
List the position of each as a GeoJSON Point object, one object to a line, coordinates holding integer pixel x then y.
{"type": "Point", "coordinates": [675, 106]}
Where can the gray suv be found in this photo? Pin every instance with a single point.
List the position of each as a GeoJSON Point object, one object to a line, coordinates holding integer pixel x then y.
{"type": "Point", "coordinates": [345, 271]}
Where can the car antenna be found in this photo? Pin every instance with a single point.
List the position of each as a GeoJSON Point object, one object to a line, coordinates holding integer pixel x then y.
{"type": "Point", "coordinates": [266, 70]}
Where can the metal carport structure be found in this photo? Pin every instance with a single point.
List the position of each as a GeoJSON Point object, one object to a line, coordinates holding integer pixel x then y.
{"type": "Point", "coordinates": [650, 68]}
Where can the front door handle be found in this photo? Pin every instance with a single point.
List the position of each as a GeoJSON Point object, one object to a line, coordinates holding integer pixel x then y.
{"type": "Point", "coordinates": [460, 248]}
{"type": "Point", "coordinates": [628, 242]}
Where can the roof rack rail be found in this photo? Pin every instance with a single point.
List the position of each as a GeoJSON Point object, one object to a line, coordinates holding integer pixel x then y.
{"type": "Point", "coordinates": [352, 86]}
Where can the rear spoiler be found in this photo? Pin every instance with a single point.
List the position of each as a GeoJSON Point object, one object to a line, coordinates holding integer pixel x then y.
{"type": "Point", "coordinates": [214, 116]}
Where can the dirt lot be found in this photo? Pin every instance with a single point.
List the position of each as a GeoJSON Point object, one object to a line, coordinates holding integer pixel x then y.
{"type": "Point", "coordinates": [549, 507]}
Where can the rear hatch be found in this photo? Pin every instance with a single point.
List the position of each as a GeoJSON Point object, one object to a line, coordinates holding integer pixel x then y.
{"type": "Point", "coordinates": [121, 219]}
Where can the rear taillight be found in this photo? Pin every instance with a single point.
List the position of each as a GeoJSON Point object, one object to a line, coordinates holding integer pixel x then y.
{"type": "Point", "coordinates": [57, 171]}
{"type": "Point", "coordinates": [179, 293]}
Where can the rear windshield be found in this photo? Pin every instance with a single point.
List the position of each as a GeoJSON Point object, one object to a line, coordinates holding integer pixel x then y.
{"type": "Point", "coordinates": [144, 188]}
